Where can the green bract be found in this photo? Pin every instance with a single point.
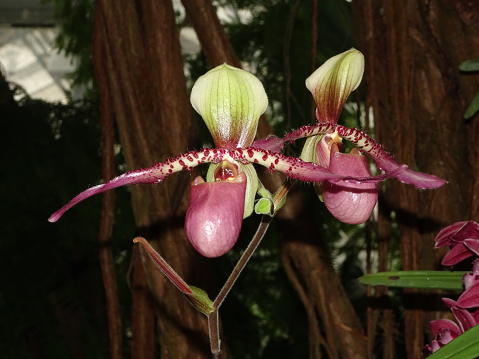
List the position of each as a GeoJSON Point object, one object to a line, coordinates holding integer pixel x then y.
{"type": "Point", "coordinates": [230, 100]}
{"type": "Point", "coordinates": [332, 83]}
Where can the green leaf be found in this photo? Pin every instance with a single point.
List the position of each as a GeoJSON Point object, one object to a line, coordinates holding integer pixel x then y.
{"type": "Point", "coordinates": [465, 346]}
{"type": "Point", "coordinates": [473, 107]}
{"type": "Point", "coordinates": [416, 279]}
{"type": "Point", "coordinates": [470, 65]}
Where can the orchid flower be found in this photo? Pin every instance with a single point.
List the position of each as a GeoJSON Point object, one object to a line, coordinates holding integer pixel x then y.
{"type": "Point", "coordinates": [445, 330]}
{"type": "Point", "coordinates": [230, 102]}
{"type": "Point", "coordinates": [463, 239]}
{"type": "Point", "coordinates": [350, 202]}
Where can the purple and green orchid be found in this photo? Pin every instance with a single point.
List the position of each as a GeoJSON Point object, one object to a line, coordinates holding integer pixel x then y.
{"type": "Point", "coordinates": [350, 202]}
{"type": "Point", "coordinates": [231, 102]}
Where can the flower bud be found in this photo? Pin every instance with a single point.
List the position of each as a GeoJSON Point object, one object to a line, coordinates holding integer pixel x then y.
{"type": "Point", "coordinates": [215, 213]}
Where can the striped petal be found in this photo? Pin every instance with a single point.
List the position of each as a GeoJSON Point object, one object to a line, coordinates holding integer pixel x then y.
{"type": "Point", "coordinates": [332, 83]}
{"type": "Point", "coordinates": [230, 101]}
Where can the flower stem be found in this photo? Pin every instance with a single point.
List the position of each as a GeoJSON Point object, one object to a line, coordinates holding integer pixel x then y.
{"type": "Point", "coordinates": [278, 196]}
{"type": "Point", "coordinates": [214, 333]}
{"type": "Point", "coordinates": [260, 232]}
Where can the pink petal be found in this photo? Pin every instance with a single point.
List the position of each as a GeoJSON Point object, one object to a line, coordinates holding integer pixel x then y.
{"type": "Point", "coordinates": [296, 168]}
{"type": "Point", "coordinates": [270, 143]}
{"type": "Point", "coordinates": [464, 318]}
{"type": "Point", "coordinates": [470, 230]}
{"type": "Point", "coordinates": [292, 167]}
{"type": "Point", "coordinates": [473, 245]}
{"type": "Point", "coordinates": [443, 237]}
{"type": "Point", "coordinates": [154, 174]}
{"type": "Point", "coordinates": [455, 255]}
{"type": "Point", "coordinates": [215, 214]}
{"type": "Point", "coordinates": [437, 325]}
{"type": "Point", "coordinates": [366, 144]}
{"type": "Point", "coordinates": [349, 202]}
{"type": "Point", "coordinates": [470, 298]}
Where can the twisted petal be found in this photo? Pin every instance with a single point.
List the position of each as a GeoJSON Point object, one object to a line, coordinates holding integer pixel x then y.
{"type": "Point", "coordinates": [332, 83]}
{"type": "Point", "coordinates": [366, 144]}
{"type": "Point", "coordinates": [230, 100]}
{"type": "Point", "coordinates": [292, 167]}
{"type": "Point", "coordinates": [215, 214]}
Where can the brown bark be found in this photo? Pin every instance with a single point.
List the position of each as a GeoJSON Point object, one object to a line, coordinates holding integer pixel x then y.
{"type": "Point", "coordinates": [413, 50]}
{"type": "Point", "coordinates": [107, 264]}
{"type": "Point", "coordinates": [148, 95]}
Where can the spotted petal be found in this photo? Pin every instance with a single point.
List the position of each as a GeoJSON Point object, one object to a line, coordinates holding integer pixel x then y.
{"type": "Point", "coordinates": [292, 167]}
{"type": "Point", "coordinates": [366, 144]}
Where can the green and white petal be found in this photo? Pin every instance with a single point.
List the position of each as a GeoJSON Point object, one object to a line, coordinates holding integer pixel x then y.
{"type": "Point", "coordinates": [332, 83]}
{"type": "Point", "coordinates": [231, 101]}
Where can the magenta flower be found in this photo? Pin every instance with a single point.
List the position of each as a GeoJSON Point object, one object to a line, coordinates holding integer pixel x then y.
{"type": "Point", "coordinates": [445, 330]}
{"type": "Point", "coordinates": [230, 101]}
{"type": "Point", "coordinates": [350, 202]}
{"type": "Point", "coordinates": [462, 238]}
{"type": "Point", "coordinates": [215, 214]}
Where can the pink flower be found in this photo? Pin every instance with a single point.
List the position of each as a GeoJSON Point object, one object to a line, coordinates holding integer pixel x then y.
{"type": "Point", "coordinates": [230, 101]}
{"type": "Point", "coordinates": [349, 202]}
{"type": "Point", "coordinates": [446, 330]}
{"type": "Point", "coordinates": [462, 238]}
{"type": "Point", "coordinates": [215, 214]}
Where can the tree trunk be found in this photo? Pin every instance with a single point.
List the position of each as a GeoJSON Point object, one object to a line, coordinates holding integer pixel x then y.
{"type": "Point", "coordinates": [413, 50]}
{"type": "Point", "coordinates": [153, 116]}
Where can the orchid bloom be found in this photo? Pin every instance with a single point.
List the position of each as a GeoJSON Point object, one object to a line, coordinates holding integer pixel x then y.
{"type": "Point", "coordinates": [350, 202]}
{"type": "Point", "coordinates": [230, 102]}
{"type": "Point", "coordinates": [445, 330]}
{"type": "Point", "coordinates": [463, 239]}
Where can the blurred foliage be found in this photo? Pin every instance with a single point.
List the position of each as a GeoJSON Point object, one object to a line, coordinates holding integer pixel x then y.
{"type": "Point", "coordinates": [51, 300]}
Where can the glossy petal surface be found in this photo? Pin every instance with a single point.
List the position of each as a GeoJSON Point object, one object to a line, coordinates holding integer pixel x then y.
{"type": "Point", "coordinates": [215, 214]}
{"type": "Point", "coordinates": [349, 202]}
